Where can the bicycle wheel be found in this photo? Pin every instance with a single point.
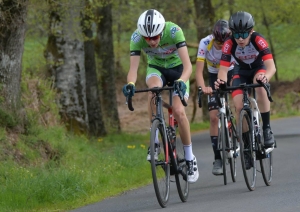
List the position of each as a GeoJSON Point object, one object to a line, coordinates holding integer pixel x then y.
{"type": "Point", "coordinates": [266, 168]}
{"type": "Point", "coordinates": [160, 169]}
{"type": "Point", "coordinates": [233, 149]}
{"type": "Point", "coordinates": [181, 177]}
{"type": "Point", "coordinates": [266, 161]}
{"type": "Point", "coordinates": [223, 141]}
{"type": "Point", "coordinates": [248, 156]}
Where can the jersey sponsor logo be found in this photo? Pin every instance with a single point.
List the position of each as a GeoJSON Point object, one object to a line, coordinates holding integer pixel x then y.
{"type": "Point", "coordinates": [226, 48]}
{"type": "Point", "coordinates": [247, 57]}
{"type": "Point", "coordinates": [262, 43]}
{"type": "Point", "coordinates": [206, 42]}
{"type": "Point", "coordinates": [174, 30]}
{"type": "Point", "coordinates": [201, 52]}
{"type": "Point", "coordinates": [136, 37]}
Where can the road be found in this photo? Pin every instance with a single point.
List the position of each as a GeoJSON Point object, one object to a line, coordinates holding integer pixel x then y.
{"type": "Point", "coordinates": [210, 194]}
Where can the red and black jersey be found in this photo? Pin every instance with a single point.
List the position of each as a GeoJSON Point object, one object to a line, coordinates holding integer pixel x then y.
{"type": "Point", "coordinates": [248, 57]}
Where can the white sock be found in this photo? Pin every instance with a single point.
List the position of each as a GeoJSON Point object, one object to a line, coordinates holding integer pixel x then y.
{"type": "Point", "coordinates": [156, 136]}
{"type": "Point", "coordinates": [188, 152]}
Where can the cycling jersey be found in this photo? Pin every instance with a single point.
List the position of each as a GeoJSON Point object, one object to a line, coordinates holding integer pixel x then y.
{"type": "Point", "coordinates": [248, 57]}
{"type": "Point", "coordinates": [166, 54]}
{"type": "Point", "coordinates": [207, 52]}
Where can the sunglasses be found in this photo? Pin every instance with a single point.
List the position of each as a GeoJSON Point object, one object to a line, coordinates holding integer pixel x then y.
{"type": "Point", "coordinates": [242, 35]}
{"type": "Point", "coordinates": [219, 42]}
{"type": "Point", "coordinates": [152, 38]}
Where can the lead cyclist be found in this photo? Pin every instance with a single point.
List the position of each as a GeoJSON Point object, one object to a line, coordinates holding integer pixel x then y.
{"type": "Point", "coordinates": [168, 63]}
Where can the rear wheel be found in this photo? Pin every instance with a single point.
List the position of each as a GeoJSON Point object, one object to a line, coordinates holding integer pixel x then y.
{"type": "Point", "coordinates": [233, 149]}
{"type": "Point", "coordinates": [181, 176]}
{"type": "Point", "coordinates": [160, 168]}
{"type": "Point", "coordinates": [248, 156]}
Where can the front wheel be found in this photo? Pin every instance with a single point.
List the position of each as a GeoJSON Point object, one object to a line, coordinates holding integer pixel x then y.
{"type": "Point", "coordinates": [266, 168]}
{"type": "Point", "coordinates": [223, 141]}
{"type": "Point", "coordinates": [234, 149]}
{"type": "Point", "coordinates": [248, 156]}
{"type": "Point", "coordinates": [181, 175]}
{"type": "Point", "coordinates": [159, 165]}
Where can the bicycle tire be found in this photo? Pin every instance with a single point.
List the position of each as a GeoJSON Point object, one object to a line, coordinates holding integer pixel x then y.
{"type": "Point", "coordinates": [224, 141]}
{"type": "Point", "coordinates": [266, 161]}
{"type": "Point", "coordinates": [233, 146]}
{"type": "Point", "coordinates": [160, 169]}
{"type": "Point", "coordinates": [181, 176]}
{"type": "Point", "coordinates": [246, 150]}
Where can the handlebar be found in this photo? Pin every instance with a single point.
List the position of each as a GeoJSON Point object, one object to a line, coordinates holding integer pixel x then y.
{"type": "Point", "coordinates": [156, 90]}
{"type": "Point", "coordinates": [224, 89]}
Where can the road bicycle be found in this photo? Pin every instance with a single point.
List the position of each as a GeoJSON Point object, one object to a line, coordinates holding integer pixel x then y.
{"type": "Point", "coordinates": [250, 132]}
{"type": "Point", "coordinates": [227, 134]}
{"type": "Point", "coordinates": [171, 157]}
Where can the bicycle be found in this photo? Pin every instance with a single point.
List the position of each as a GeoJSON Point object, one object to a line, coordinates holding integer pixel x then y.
{"type": "Point", "coordinates": [227, 134]}
{"type": "Point", "coordinates": [250, 133]}
{"type": "Point", "coordinates": [171, 158]}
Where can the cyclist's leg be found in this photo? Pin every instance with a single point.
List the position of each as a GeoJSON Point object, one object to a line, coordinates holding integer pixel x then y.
{"type": "Point", "coordinates": [264, 108]}
{"type": "Point", "coordinates": [154, 78]}
{"type": "Point", "coordinates": [213, 128]}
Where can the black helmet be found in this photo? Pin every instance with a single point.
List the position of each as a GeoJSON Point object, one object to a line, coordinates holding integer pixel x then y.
{"type": "Point", "coordinates": [221, 30]}
{"type": "Point", "coordinates": [241, 22]}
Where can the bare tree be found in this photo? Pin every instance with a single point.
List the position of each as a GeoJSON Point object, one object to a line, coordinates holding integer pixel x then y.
{"type": "Point", "coordinates": [204, 22]}
{"type": "Point", "coordinates": [96, 124]}
{"type": "Point", "coordinates": [65, 58]}
{"type": "Point", "coordinates": [12, 36]}
{"type": "Point", "coordinates": [106, 55]}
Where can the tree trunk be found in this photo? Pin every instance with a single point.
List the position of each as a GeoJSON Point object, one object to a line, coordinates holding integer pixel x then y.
{"type": "Point", "coordinates": [96, 124]}
{"type": "Point", "coordinates": [106, 55]}
{"type": "Point", "coordinates": [65, 59]}
{"type": "Point", "coordinates": [204, 21]}
{"type": "Point", "coordinates": [12, 36]}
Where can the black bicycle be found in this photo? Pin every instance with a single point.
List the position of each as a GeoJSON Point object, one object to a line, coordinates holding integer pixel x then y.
{"type": "Point", "coordinates": [251, 134]}
{"type": "Point", "coordinates": [227, 134]}
{"type": "Point", "coordinates": [171, 157]}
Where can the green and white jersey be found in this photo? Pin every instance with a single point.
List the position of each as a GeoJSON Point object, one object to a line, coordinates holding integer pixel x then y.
{"type": "Point", "coordinates": [166, 54]}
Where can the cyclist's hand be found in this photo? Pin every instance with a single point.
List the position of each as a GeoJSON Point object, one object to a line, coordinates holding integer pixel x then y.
{"type": "Point", "coordinates": [262, 77]}
{"type": "Point", "coordinates": [207, 90]}
{"type": "Point", "coordinates": [220, 84]}
{"type": "Point", "coordinates": [181, 86]}
{"type": "Point", "coordinates": [129, 89]}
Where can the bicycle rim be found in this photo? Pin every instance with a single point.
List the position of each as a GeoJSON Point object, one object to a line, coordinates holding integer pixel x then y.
{"type": "Point", "coordinates": [233, 145]}
{"type": "Point", "coordinates": [266, 168]}
{"type": "Point", "coordinates": [160, 170]}
{"type": "Point", "coordinates": [181, 177]}
{"type": "Point", "coordinates": [223, 139]}
{"type": "Point", "coordinates": [246, 150]}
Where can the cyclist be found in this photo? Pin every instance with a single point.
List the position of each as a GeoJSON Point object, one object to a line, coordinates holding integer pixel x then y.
{"type": "Point", "coordinates": [210, 51]}
{"type": "Point", "coordinates": [168, 63]}
{"type": "Point", "coordinates": [254, 61]}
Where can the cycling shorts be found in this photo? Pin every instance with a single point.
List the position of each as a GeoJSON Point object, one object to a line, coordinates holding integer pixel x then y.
{"type": "Point", "coordinates": [167, 76]}
{"type": "Point", "coordinates": [241, 75]}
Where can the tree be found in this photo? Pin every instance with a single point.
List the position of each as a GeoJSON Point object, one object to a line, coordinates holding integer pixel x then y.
{"type": "Point", "coordinates": [96, 124]}
{"type": "Point", "coordinates": [106, 55]}
{"type": "Point", "coordinates": [204, 21]}
{"type": "Point", "coordinates": [65, 58]}
{"type": "Point", "coordinates": [12, 36]}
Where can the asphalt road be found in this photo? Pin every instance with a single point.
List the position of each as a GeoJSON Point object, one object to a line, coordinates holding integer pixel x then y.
{"type": "Point", "coordinates": [209, 194]}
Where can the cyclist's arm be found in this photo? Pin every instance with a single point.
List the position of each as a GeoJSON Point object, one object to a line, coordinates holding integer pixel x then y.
{"type": "Point", "coordinates": [199, 73]}
{"type": "Point", "coordinates": [134, 64]}
{"type": "Point", "coordinates": [270, 68]}
{"type": "Point", "coordinates": [187, 66]}
{"type": "Point", "coordinates": [222, 74]}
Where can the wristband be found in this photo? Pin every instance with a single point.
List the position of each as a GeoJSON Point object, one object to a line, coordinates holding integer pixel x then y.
{"type": "Point", "coordinates": [131, 83]}
{"type": "Point", "coordinates": [180, 80]}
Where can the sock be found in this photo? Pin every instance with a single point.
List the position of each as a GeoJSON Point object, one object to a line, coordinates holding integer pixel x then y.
{"type": "Point", "coordinates": [188, 152]}
{"type": "Point", "coordinates": [156, 137]}
{"type": "Point", "coordinates": [214, 143]}
{"type": "Point", "coordinates": [266, 120]}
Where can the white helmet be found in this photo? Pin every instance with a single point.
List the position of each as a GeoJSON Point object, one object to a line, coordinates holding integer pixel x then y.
{"type": "Point", "coordinates": [151, 23]}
